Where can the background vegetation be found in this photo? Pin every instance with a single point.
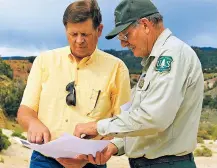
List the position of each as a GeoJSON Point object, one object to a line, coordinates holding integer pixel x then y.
{"type": "Point", "coordinates": [14, 72]}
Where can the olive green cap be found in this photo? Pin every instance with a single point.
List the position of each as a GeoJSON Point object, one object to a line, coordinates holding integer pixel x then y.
{"type": "Point", "coordinates": [128, 12]}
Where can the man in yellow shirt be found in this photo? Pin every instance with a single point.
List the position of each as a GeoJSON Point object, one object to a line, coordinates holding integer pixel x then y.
{"type": "Point", "coordinates": [73, 84]}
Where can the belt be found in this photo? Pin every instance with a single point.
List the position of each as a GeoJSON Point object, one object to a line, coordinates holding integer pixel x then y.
{"type": "Point", "coordinates": [163, 159]}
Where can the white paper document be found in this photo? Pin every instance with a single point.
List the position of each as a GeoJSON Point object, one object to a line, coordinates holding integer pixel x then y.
{"type": "Point", "coordinates": [68, 146]}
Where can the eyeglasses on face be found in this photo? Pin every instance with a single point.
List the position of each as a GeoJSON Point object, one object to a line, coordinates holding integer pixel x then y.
{"type": "Point", "coordinates": [124, 36]}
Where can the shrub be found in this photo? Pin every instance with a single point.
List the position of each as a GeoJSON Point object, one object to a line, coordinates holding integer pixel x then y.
{"type": "Point", "coordinates": [204, 151]}
{"type": "Point", "coordinates": [5, 69]}
{"type": "Point", "coordinates": [2, 160]}
{"type": "Point", "coordinates": [207, 131]}
{"type": "Point", "coordinates": [200, 140]}
{"type": "Point", "coordinates": [214, 134]}
{"type": "Point", "coordinates": [18, 134]}
{"type": "Point", "coordinates": [11, 97]}
{"type": "Point", "coordinates": [203, 134]}
{"type": "Point", "coordinates": [4, 142]}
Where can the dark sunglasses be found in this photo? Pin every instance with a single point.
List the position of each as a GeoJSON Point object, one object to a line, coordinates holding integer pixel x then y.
{"type": "Point", "coordinates": [71, 97]}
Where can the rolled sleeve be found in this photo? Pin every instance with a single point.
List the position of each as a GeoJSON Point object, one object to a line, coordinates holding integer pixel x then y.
{"type": "Point", "coordinates": [32, 91]}
{"type": "Point", "coordinates": [119, 143]}
{"type": "Point", "coordinates": [102, 126]}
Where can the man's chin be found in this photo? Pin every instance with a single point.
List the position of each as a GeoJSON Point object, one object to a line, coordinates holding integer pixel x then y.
{"type": "Point", "coordinates": [80, 55]}
{"type": "Point", "coordinates": [136, 54]}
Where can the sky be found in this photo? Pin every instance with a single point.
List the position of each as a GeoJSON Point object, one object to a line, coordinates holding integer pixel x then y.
{"type": "Point", "coordinates": [28, 27]}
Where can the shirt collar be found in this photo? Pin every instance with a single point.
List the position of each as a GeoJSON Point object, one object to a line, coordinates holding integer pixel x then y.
{"type": "Point", "coordinates": [86, 60]}
{"type": "Point", "coordinates": [156, 48]}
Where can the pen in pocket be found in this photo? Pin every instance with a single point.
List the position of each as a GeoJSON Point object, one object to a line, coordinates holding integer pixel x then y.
{"type": "Point", "coordinates": [97, 98]}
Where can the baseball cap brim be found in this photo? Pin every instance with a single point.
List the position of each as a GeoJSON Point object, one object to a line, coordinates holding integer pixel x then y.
{"type": "Point", "coordinates": [117, 30]}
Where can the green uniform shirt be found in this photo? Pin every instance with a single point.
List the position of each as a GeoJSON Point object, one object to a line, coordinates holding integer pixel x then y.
{"type": "Point", "coordinates": [166, 105]}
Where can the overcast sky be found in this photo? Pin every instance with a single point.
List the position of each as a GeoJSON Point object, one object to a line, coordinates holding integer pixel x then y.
{"type": "Point", "coordinates": [28, 27]}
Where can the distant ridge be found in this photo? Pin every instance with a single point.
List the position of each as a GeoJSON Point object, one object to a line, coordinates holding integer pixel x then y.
{"type": "Point", "coordinates": [26, 57]}
{"type": "Point", "coordinates": [208, 48]}
{"type": "Point", "coordinates": [14, 58]}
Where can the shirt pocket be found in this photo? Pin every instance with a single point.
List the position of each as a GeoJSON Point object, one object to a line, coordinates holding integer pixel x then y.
{"type": "Point", "coordinates": [49, 93]}
{"type": "Point", "coordinates": [141, 92]}
{"type": "Point", "coordinates": [145, 90]}
{"type": "Point", "coordinates": [50, 100]}
{"type": "Point", "coordinates": [99, 104]}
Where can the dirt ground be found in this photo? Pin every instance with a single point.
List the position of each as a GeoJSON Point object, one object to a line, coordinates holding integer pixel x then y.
{"type": "Point", "coordinates": [17, 156]}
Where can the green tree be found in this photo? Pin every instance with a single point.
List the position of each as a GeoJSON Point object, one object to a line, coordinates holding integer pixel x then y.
{"type": "Point", "coordinates": [11, 97]}
{"type": "Point", "coordinates": [31, 59]}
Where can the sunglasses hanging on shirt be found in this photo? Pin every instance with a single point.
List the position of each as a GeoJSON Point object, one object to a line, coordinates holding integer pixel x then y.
{"type": "Point", "coordinates": [71, 97]}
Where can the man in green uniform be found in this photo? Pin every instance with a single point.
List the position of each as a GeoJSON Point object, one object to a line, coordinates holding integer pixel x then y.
{"type": "Point", "coordinates": [159, 129]}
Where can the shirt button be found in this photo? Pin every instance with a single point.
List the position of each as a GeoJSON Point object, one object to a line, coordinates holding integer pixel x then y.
{"type": "Point", "coordinates": [66, 120]}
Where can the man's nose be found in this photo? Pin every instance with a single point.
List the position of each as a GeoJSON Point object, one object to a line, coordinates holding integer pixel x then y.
{"type": "Point", "coordinates": [79, 39]}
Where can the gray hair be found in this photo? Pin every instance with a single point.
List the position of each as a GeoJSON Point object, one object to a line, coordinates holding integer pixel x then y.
{"type": "Point", "coordinates": [155, 18]}
{"type": "Point", "coordinates": [82, 10]}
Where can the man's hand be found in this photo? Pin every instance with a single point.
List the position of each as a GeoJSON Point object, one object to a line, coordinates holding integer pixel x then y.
{"type": "Point", "coordinates": [78, 162]}
{"type": "Point", "coordinates": [89, 129]}
{"type": "Point", "coordinates": [38, 132]}
{"type": "Point", "coordinates": [102, 157]}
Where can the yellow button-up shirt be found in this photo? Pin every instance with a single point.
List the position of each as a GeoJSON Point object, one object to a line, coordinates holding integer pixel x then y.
{"type": "Point", "coordinates": [100, 73]}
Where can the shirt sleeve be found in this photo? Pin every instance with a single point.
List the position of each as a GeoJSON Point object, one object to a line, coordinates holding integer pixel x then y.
{"type": "Point", "coordinates": [159, 106]}
{"type": "Point", "coordinates": [32, 91]}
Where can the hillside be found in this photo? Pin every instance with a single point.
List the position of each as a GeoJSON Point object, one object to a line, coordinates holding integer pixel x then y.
{"type": "Point", "coordinates": [12, 84]}
{"type": "Point", "coordinates": [207, 56]}
{"type": "Point", "coordinates": [212, 92]}
{"type": "Point", "coordinates": [209, 116]}
{"type": "Point", "coordinates": [21, 68]}
{"type": "Point", "coordinates": [4, 80]}
{"type": "Point", "coordinates": [2, 119]}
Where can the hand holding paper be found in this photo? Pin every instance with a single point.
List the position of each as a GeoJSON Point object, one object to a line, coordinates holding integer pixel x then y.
{"type": "Point", "coordinates": [68, 146]}
{"type": "Point", "coordinates": [89, 129]}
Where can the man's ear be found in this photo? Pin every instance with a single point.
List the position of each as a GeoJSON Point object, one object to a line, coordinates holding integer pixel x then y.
{"type": "Point", "coordinates": [99, 29]}
{"type": "Point", "coordinates": [146, 24]}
